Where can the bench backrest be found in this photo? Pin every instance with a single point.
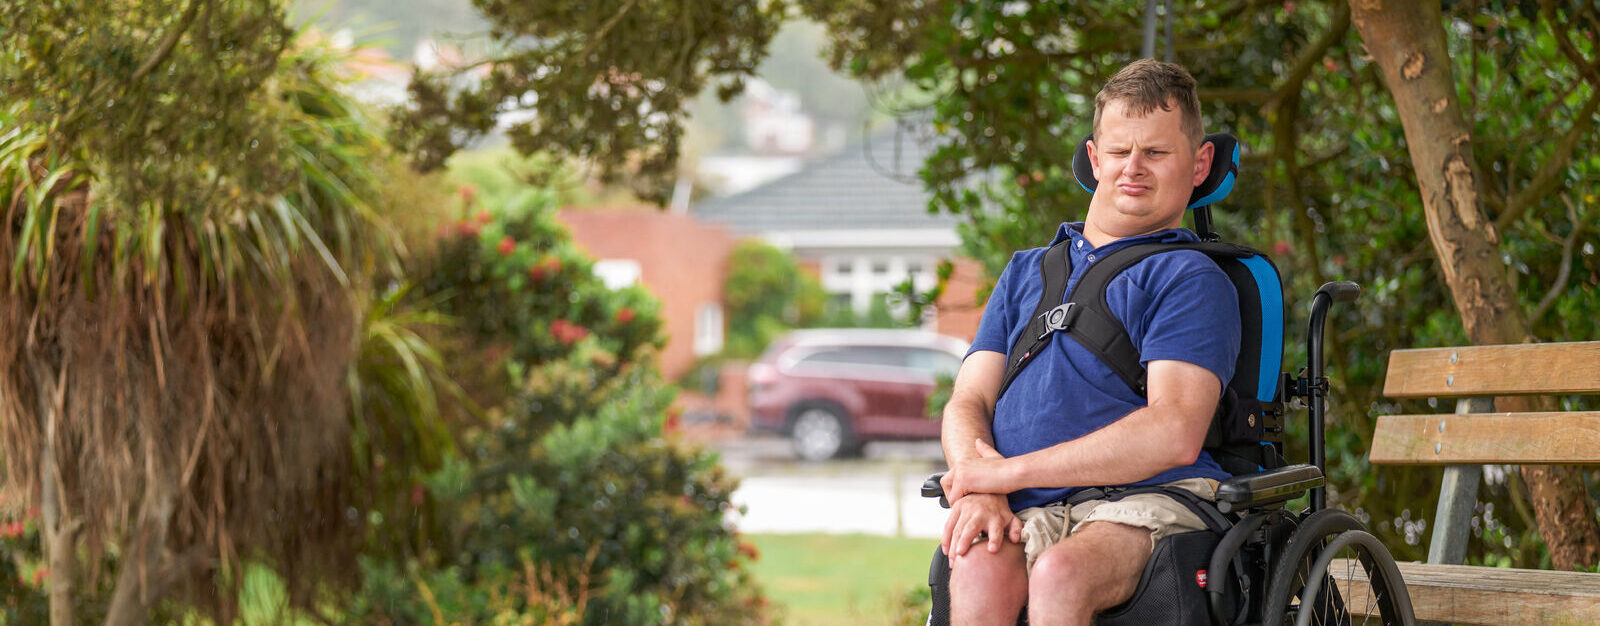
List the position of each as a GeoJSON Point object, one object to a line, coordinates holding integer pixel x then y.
{"type": "Point", "coordinates": [1476, 437]}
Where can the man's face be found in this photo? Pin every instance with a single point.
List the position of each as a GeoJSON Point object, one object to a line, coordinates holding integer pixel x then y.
{"type": "Point", "coordinates": [1146, 170]}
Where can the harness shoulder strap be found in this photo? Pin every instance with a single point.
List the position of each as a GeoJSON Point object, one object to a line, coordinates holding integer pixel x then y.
{"type": "Point", "coordinates": [1055, 268]}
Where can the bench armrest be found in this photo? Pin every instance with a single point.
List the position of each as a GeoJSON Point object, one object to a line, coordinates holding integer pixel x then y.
{"type": "Point", "coordinates": [1248, 491]}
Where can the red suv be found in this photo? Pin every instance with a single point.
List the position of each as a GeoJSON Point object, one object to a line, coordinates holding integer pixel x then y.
{"type": "Point", "coordinates": [833, 390]}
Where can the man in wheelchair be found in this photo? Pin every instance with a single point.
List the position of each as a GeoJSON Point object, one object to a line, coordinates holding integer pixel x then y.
{"type": "Point", "coordinates": [1086, 437]}
{"type": "Point", "coordinates": [1025, 529]}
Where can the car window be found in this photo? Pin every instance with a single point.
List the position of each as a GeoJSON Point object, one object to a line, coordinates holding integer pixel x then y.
{"type": "Point", "coordinates": [859, 355]}
{"type": "Point", "coordinates": [936, 362]}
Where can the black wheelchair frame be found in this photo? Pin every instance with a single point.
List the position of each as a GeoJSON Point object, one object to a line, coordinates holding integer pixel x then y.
{"type": "Point", "coordinates": [1270, 565]}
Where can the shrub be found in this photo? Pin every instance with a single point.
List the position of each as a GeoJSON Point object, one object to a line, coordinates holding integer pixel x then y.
{"type": "Point", "coordinates": [567, 504]}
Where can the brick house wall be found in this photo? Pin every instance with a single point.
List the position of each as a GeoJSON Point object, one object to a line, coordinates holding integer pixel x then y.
{"type": "Point", "coordinates": [680, 260]}
{"type": "Point", "coordinates": [958, 308]}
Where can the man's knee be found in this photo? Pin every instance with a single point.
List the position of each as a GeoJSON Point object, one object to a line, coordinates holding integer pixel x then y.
{"type": "Point", "coordinates": [991, 584]}
{"type": "Point", "coordinates": [1097, 567]}
{"type": "Point", "coordinates": [1064, 573]}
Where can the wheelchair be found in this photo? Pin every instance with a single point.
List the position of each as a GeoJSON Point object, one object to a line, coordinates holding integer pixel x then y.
{"type": "Point", "coordinates": [1258, 562]}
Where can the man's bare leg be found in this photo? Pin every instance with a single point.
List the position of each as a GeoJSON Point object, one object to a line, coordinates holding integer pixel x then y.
{"type": "Point", "coordinates": [1095, 568]}
{"type": "Point", "coordinates": [988, 588]}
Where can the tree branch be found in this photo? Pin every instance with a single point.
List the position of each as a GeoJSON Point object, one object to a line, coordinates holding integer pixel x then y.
{"type": "Point", "coordinates": [605, 28]}
{"type": "Point", "coordinates": [170, 41]}
{"type": "Point", "coordinates": [1564, 41]}
{"type": "Point", "coordinates": [1548, 176]}
{"type": "Point", "coordinates": [1565, 272]}
{"type": "Point", "coordinates": [1246, 96]}
{"type": "Point", "coordinates": [1308, 58]}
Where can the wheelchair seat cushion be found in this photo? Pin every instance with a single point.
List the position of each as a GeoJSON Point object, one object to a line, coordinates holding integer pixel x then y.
{"type": "Point", "coordinates": [1218, 183]}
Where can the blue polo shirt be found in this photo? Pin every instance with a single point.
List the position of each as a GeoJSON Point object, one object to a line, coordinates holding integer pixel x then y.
{"type": "Point", "coordinates": [1175, 306]}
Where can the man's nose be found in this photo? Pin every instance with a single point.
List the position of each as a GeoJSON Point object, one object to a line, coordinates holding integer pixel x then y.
{"type": "Point", "coordinates": [1136, 164]}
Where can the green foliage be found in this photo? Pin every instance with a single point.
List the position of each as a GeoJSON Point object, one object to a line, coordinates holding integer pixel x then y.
{"type": "Point", "coordinates": [607, 82]}
{"type": "Point", "coordinates": [766, 294]}
{"type": "Point", "coordinates": [567, 505]}
{"type": "Point", "coordinates": [117, 79]}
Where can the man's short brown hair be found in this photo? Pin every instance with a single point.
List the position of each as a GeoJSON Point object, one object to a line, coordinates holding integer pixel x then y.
{"type": "Point", "coordinates": [1147, 84]}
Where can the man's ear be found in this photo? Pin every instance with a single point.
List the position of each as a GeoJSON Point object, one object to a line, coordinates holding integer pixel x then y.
{"type": "Point", "coordinates": [1094, 159]}
{"type": "Point", "coordinates": [1202, 162]}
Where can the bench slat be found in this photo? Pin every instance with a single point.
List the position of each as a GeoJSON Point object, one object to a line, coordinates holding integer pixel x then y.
{"type": "Point", "coordinates": [1466, 594]}
{"type": "Point", "coordinates": [1534, 368]}
{"type": "Point", "coordinates": [1526, 438]}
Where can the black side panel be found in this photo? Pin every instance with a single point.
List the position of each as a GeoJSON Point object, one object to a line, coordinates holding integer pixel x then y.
{"type": "Point", "coordinates": [1170, 590]}
{"type": "Point", "coordinates": [939, 584]}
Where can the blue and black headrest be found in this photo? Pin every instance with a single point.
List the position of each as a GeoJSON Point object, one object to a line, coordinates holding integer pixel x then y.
{"type": "Point", "coordinates": [1218, 184]}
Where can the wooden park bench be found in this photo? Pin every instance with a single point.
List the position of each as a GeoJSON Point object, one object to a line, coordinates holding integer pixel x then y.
{"type": "Point", "coordinates": [1443, 590]}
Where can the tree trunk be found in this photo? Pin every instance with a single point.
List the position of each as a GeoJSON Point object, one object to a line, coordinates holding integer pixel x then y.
{"type": "Point", "coordinates": [59, 532]}
{"type": "Point", "coordinates": [1407, 40]}
{"type": "Point", "coordinates": [141, 576]}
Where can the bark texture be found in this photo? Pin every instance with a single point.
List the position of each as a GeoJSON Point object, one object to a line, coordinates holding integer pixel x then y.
{"type": "Point", "coordinates": [1407, 40]}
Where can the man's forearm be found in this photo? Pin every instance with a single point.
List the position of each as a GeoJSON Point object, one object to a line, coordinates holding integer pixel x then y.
{"type": "Point", "coordinates": [966, 419]}
{"type": "Point", "coordinates": [1134, 448]}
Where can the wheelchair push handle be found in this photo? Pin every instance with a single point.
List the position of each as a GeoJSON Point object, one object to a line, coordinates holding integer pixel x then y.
{"type": "Point", "coordinates": [931, 488]}
{"type": "Point", "coordinates": [1337, 291]}
{"type": "Point", "coordinates": [1341, 291]}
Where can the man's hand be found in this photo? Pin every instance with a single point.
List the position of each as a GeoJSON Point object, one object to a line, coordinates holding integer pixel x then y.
{"type": "Point", "coordinates": [978, 503]}
{"type": "Point", "coordinates": [985, 473]}
{"type": "Point", "coordinates": [979, 513]}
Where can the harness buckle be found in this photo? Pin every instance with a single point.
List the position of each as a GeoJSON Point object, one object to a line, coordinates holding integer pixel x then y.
{"type": "Point", "coordinates": [1057, 319]}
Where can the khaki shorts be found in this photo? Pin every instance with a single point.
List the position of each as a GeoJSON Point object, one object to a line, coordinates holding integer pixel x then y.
{"type": "Point", "coordinates": [1046, 526]}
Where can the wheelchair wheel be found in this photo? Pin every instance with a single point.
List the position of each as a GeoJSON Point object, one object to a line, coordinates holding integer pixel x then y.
{"type": "Point", "coordinates": [1332, 572]}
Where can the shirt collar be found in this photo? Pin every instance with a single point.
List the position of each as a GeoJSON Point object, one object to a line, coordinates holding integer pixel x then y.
{"type": "Point", "coordinates": [1080, 247]}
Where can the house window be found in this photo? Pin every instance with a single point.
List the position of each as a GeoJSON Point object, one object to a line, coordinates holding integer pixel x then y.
{"type": "Point", "coordinates": [880, 266]}
{"type": "Point", "coordinates": [844, 268]}
{"type": "Point", "coordinates": [707, 329]}
{"type": "Point", "coordinates": [617, 273]}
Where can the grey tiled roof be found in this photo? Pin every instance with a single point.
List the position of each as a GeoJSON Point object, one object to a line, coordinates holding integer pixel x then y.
{"type": "Point", "coordinates": [871, 185]}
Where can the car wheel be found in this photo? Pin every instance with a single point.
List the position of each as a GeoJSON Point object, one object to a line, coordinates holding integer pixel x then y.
{"type": "Point", "coordinates": [821, 433]}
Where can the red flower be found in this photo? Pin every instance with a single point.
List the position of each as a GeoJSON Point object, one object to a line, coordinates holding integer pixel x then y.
{"type": "Point", "coordinates": [1282, 248]}
{"type": "Point", "coordinates": [507, 246]}
{"type": "Point", "coordinates": [567, 332]}
{"type": "Point", "coordinates": [467, 229]}
{"type": "Point", "coordinates": [418, 494]}
{"type": "Point", "coordinates": [40, 574]}
{"type": "Point", "coordinates": [469, 193]}
{"type": "Point", "coordinates": [484, 217]}
{"type": "Point", "coordinates": [545, 268]}
{"type": "Point", "coordinates": [624, 315]}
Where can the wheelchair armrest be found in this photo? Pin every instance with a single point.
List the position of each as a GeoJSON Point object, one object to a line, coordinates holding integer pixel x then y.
{"type": "Point", "coordinates": [1277, 486]}
{"type": "Point", "coordinates": [931, 488]}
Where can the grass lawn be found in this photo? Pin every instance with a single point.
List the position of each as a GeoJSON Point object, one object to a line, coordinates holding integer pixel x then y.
{"type": "Point", "coordinates": [815, 579]}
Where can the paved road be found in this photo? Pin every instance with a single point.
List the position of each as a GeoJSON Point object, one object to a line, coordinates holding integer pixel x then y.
{"type": "Point", "coordinates": [876, 494]}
